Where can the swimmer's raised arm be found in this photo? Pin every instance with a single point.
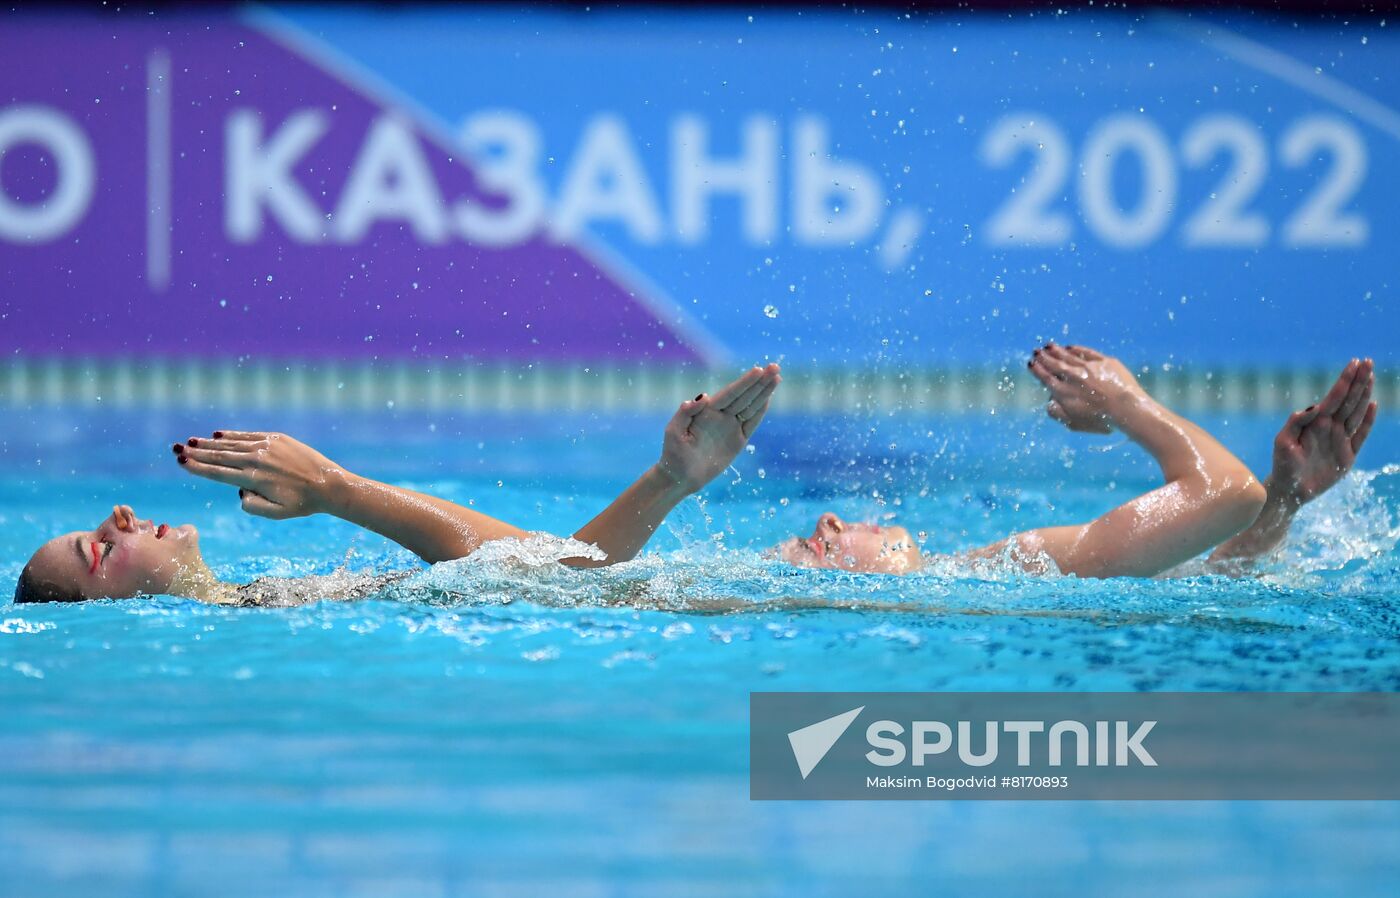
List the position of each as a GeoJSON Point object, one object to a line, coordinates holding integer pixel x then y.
{"type": "Point", "coordinates": [701, 440]}
{"type": "Point", "coordinates": [1209, 495]}
{"type": "Point", "coordinates": [280, 477]}
{"type": "Point", "coordinates": [1315, 449]}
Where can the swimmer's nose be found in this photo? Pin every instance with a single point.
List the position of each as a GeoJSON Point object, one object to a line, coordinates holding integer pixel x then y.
{"type": "Point", "coordinates": [125, 520]}
{"type": "Point", "coordinates": [831, 523]}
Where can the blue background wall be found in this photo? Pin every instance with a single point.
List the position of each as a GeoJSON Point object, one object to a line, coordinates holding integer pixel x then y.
{"type": "Point", "coordinates": [932, 110]}
{"type": "Point", "coordinates": [823, 188]}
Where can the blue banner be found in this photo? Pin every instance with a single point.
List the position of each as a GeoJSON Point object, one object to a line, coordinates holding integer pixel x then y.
{"type": "Point", "coordinates": [827, 189]}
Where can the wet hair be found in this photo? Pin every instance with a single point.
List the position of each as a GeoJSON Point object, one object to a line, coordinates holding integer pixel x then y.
{"type": "Point", "coordinates": [32, 589]}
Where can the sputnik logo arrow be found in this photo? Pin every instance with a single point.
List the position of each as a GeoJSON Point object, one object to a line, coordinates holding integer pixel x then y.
{"type": "Point", "coordinates": [811, 743]}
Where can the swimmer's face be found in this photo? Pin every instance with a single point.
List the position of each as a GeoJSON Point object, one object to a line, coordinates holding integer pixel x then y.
{"type": "Point", "coordinates": [120, 558]}
{"type": "Point", "coordinates": [865, 548]}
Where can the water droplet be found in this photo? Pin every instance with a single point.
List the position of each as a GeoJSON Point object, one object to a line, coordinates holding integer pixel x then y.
{"type": "Point", "coordinates": [771, 311]}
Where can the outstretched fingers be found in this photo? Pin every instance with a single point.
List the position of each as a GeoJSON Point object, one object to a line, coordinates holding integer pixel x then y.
{"type": "Point", "coordinates": [240, 477]}
{"type": "Point", "coordinates": [239, 435]}
{"type": "Point", "coordinates": [750, 424]}
{"type": "Point", "coordinates": [1085, 353]}
{"type": "Point", "coordinates": [1338, 394]}
{"type": "Point", "coordinates": [257, 504]}
{"type": "Point", "coordinates": [759, 399]}
{"type": "Point", "coordinates": [1342, 452]}
{"type": "Point", "coordinates": [725, 396]}
{"type": "Point", "coordinates": [1358, 396]}
{"type": "Point", "coordinates": [1056, 362]}
{"type": "Point", "coordinates": [742, 401]}
{"type": "Point", "coordinates": [1063, 355]}
{"type": "Point", "coordinates": [1364, 430]}
{"type": "Point", "coordinates": [1042, 372]}
{"type": "Point", "coordinates": [222, 457]}
{"type": "Point", "coordinates": [225, 445]}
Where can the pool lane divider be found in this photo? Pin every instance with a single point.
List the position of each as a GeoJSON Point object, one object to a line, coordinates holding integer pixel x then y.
{"type": "Point", "coordinates": [459, 386]}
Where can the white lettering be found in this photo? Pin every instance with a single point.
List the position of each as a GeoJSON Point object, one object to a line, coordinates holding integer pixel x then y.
{"type": "Point", "coordinates": [391, 180]}
{"type": "Point", "coordinates": [1023, 730]}
{"type": "Point", "coordinates": [505, 149]}
{"type": "Point", "coordinates": [695, 177]}
{"type": "Point", "coordinates": [75, 169]}
{"type": "Point", "coordinates": [606, 181]}
{"type": "Point", "coordinates": [1081, 742]}
{"type": "Point", "coordinates": [922, 748]}
{"type": "Point", "coordinates": [1123, 744]}
{"type": "Point", "coordinates": [1157, 197]}
{"type": "Point", "coordinates": [258, 174]}
{"type": "Point", "coordinates": [989, 752]}
{"type": "Point", "coordinates": [876, 735]}
{"type": "Point", "coordinates": [833, 202]}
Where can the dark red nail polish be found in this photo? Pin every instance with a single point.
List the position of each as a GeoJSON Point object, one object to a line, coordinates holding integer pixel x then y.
{"type": "Point", "coordinates": [240, 492]}
{"type": "Point", "coordinates": [218, 434]}
{"type": "Point", "coordinates": [175, 447]}
{"type": "Point", "coordinates": [193, 442]}
{"type": "Point", "coordinates": [701, 396]}
{"type": "Point", "coordinates": [1030, 364]}
{"type": "Point", "coordinates": [182, 460]}
{"type": "Point", "coordinates": [1309, 408]}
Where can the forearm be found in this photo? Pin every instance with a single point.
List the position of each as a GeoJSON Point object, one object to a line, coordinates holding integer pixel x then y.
{"type": "Point", "coordinates": [431, 528]}
{"type": "Point", "coordinates": [1265, 534]}
{"type": "Point", "coordinates": [625, 526]}
{"type": "Point", "coordinates": [1182, 449]}
{"type": "Point", "coordinates": [1209, 496]}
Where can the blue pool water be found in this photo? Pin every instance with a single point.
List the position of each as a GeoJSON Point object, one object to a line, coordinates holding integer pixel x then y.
{"type": "Point", "coordinates": [525, 741]}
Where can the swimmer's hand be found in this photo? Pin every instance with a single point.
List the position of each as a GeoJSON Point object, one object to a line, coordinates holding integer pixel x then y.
{"type": "Point", "coordinates": [1315, 449]}
{"type": "Point", "coordinates": [1087, 388]}
{"type": "Point", "coordinates": [277, 476]}
{"type": "Point", "coordinates": [708, 432]}
{"type": "Point", "coordinates": [1318, 445]}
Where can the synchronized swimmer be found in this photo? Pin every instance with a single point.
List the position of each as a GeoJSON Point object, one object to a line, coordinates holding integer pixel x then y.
{"type": "Point", "coordinates": [1209, 499]}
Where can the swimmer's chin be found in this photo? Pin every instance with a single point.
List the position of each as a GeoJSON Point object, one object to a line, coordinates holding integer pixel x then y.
{"type": "Point", "coordinates": [187, 533]}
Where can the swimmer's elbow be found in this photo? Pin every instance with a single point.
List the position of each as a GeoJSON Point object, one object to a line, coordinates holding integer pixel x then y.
{"type": "Point", "coordinates": [1242, 498]}
{"type": "Point", "coordinates": [1256, 495]}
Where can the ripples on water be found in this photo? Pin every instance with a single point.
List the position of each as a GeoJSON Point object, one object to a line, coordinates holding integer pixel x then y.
{"type": "Point", "coordinates": [1322, 613]}
{"type": "Point", "coordinates": [505, 721]}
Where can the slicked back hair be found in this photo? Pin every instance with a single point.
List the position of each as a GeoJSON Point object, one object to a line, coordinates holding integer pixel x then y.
{"type": "Point", "coordinates": [31, 589]}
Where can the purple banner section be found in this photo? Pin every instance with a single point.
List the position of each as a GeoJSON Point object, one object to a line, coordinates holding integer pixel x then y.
{"type": "Point", "coordinates": [193, 188]}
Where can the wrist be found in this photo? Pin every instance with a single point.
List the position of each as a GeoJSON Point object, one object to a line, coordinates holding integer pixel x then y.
{"type": "Point", "coordinates": [667, 482]}
{"type": "Point", "coordinates": [336, 493]}
{"type": "Point", "coordinates": [1282, 498]}
{"type": "Point", "coordinates": [1128, 407]}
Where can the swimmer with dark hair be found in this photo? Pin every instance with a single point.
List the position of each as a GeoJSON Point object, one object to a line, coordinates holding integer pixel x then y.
{"type": "Point", "coordinates": [280, 477]}
{"type": "Point", "coordinates": [1208, 498]}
